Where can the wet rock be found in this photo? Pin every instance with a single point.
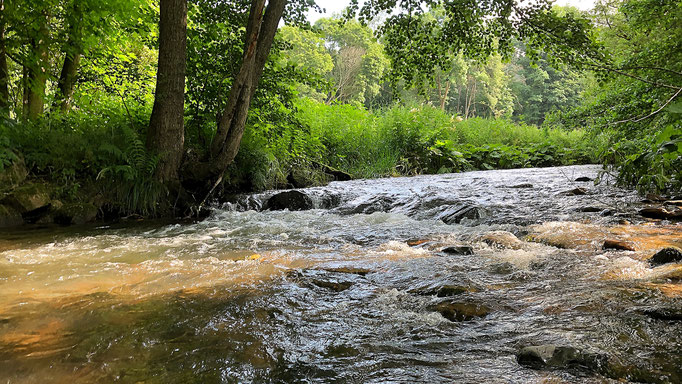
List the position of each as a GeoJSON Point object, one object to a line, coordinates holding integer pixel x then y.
{"type": "Point", "coordinates": [502, 239]}
{"type": "Point", "coordinates": [580, 191]}
{"type": "Point", "coordinates": [666, 255]}
{"type": "Point", "coordinates": [462, 311]}
{"type": "Point", "coordinates": [416, 242]}
{"type": "Point", "coordinates": [28, 198]}
{"type": "Point", "coordinates": [584, 179]}
{"type": "Point", "coordinates": [349, 270]}
{"type": "Point", "coordinates": [666, 314]}
{"type": "Point", "coordinates": [458, 250]}
{"type": "Point", "coordinates": [590, 209]}
{"type": "Point", "coordinates": [552, 356]}
{"type": "Point", "coordinates": [505, 268]}
{"type": "Point", "coordinates": [76, 213]}
{"type": "Point", "coordinates": [446, 290]}
{"type": "Point", "coordinates": [9, 217]}
{"type": "Point", "coordinates": [336, 286]}
{"type": "Point", "coordinates": [661, 213]}
{"type": "Point", "coordinates": [677, 203]}
{"type": "Point", "coordinates": [291, 200]}
{"type": "Point", "coordinates": [618, 245]}
{"type": "Point", "coordinates": [457, 214]}
{"type": "Point", "coordinates": [14, 174]}
{"type": "Point", "coordinates": [380, 203]}
{"type": "Point", "coordinates": [521, 186]}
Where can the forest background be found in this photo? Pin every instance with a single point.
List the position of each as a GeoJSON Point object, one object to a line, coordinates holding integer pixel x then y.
{"type": "Point", "coordinates": [344, 97]}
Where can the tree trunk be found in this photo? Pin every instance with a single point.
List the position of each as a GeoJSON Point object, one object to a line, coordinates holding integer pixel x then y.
{"type": "Point", "coordinates": [260, 33]}
{"type": "Point", "coordinates": [72, 55]}
{"type": "Point", "coordinates": [4, 72]}
{"type": "Point", "coordinates": [166, 126]}
{"type": "Point", "coordinates": [36, 75]}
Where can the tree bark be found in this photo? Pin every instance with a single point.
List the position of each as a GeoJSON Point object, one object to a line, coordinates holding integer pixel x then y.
{"type": "Point", "coordinates": [4, 72]}
{"type": "Point", "coordinates": [72, 55]}
{"type": "Point", "coordinates": [36, 74]}
{"type": "Point", "coordinates": [166, 126]}
{"type": "Point", "coordinates": [260, 33]}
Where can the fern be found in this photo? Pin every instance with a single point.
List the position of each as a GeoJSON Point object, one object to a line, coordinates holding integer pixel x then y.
{"type": "Point", "coordinates": [131, 182]}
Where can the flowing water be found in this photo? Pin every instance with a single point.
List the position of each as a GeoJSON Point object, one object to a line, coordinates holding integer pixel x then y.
{"type": "Point", "coordinates": [349, 292]}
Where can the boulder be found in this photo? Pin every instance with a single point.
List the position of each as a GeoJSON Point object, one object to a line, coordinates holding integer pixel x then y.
{"type": "Point", "coordinates": [14, 174]}
{"type": "Point", "coordinates": [9, 217]}
{"type": "Point", "coordinates": [666, 255]}
{"type": "Point", "coordinates": [76, 213]}
{"type": "Point", "coordinates": [457, 214]}
{"type": "Point", "coordinates": [502, 239]}
{"type": "Point", "coordinates": [552, 356]}
{"type": "Point", "coordinates": [458, 250]}
{"type": "Point", "coordinates": [661, 213]}
{"type": "Point", "coordinates": [28, 198]}
{"type": "Point", "coordinates": [462, 311]}
{"type": "Point", "coordinates": [618, 245]}
{"type": "Point", "coordinates": [292, 200]}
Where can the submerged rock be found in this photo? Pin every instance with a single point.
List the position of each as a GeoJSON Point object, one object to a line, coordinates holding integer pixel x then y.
{"type": "Point", "coordinates": [667, 314]}
{"type": "Point", "coordinates": [502, 239]}
{"type": "Point", "coordinates": [292, 200]}
{"type": "Point", "coordinates": [337, 286]}
{"type": "Point", "coordinates": [666, 255]}
{"type": "Point", "coordinates": [521, 186]}
{"type": "Point", "coordinates": [618, 245]}
{"type": "Point", "coordinates": [462, 311]}
{"type": "Point", "coordinates": [458, 250]}
{"type": "Point", "coordinates": [349, 270]}
{"type": "Point", "coordinates": [552, 356]}
{"type": "Point", "coordinates": [447, 290]}
{"type": "Point", "coordinates": [584, 179]}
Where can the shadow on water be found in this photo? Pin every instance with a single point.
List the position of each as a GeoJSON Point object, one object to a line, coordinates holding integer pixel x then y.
{"type": "Point", "coordinates": [361, 291]}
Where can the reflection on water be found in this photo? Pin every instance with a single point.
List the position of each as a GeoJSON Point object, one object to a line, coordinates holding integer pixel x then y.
{"type": "Point", "coordinates": [338, 295]}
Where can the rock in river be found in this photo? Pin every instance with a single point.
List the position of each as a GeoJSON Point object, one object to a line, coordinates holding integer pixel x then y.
{"type": "Point", "coordinates": [502, 239]}
{"type": "Point", "coordinates": [292, 200]}
{"type": "Point", "coordinates": [666, 255]}
{"type": "Point", "coordinates": [618, 245]}
{"type": "Point", "coordinates": [552, 356]}
{"type": "Point", "coordinates": [458, 250]}
{"type": "Point", "coordinates": [461, 311]}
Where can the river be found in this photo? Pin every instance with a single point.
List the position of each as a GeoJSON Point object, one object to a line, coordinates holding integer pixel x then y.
{"type": "Point", "coordinates": [356, 290]}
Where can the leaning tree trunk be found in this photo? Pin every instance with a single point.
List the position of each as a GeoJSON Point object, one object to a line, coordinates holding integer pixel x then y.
{"type": "Point", "coordinates": [166, 126]}
{"type": "Point", "coordinates": [260, 33]}
{"type": "Point", "coordinates": [4, 73]}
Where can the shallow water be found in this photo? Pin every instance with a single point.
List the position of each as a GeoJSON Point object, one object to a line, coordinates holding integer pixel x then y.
{"type": "Point", "coordinates": [251, 296]}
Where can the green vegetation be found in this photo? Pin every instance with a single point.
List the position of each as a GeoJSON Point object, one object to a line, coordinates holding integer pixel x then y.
{"type": "Point", "coordinates": [98, 100]}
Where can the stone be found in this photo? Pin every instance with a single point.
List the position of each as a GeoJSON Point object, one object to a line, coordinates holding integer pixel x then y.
{"type": "Point", "coordinates": [590, 209]}
{"type": "Point", "coordinates": [462, 311]}
{"type": "Point", "coordinates": [416, 242]}
{"type": "Point", "coordinates": [552, 356]}
{"type": "Point", "coordinates": [457, 214]}
{"type": "Point", "coordinates": [521, 186]}
{"type": "Point", "coordinates": [9, 217]}
{"type": "Point", "coordinates": [618, 245]}
{"type": "Point", "coordinates": [458, 250]}
{"type": "Point", "coordinates": [76, 213]}
{"type": "Point", "coordinates": [666, 255]}
{"type": "Point", "coordinates": [584, 179]}
{"type": "Point", "coordinates": [292, 200]}
{"type": "Point", "coordinates": [337, 286]}
{"type": "Point", "coordinates": [14, 174]}
{"type": "Point", "coordinates": [661, 213]}
{"type": "Point", "coordinates": [580, 191]}
{"type": "Point", "coordinates": [27, 198]}
{"type": "Point", "coordinates": [502, 239]}
{"type": "Point", "coordinates": [349, 270]}
{"type": "Point", "coordinates": [677, 203]}
{"type": "Point", "coordinates": [665, 314]}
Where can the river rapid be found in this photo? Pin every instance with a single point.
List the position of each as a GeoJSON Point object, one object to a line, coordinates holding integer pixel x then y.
{"type": "Point", "coordinates": [358, 289]}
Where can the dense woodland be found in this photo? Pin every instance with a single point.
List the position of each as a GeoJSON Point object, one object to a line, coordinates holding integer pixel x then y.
{"type": "Point", "coordinates": [157, 108]}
